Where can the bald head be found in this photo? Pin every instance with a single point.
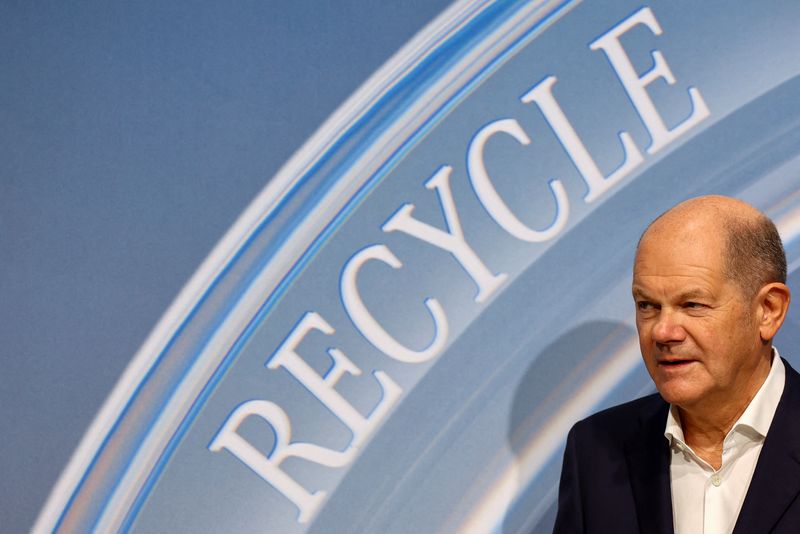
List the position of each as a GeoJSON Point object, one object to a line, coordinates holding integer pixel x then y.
{"type": "Point", "coordinates": [751, 250]}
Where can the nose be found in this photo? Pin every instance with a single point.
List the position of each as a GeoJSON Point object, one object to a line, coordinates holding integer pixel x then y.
{"type": "Point", "coordinates": [667, 330]}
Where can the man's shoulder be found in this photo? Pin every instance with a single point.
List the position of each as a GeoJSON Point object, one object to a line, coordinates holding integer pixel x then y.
{"type": "Point", "coordinates": [642, 407]}
{"type": "Point", "coordinates": [626, 419]}
{"type": "Point", "coordinates": [791, 374]}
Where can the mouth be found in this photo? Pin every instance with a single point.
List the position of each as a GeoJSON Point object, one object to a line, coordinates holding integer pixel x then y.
{"type": "Point", "coordinates": [674, 364]}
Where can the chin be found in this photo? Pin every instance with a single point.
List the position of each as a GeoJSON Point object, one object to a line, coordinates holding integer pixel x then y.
{"type": "Point", "coordinates": [679, 396]}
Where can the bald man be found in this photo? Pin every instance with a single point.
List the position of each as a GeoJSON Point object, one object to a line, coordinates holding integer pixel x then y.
{"type": "Point", "coordinates": [717, 450]}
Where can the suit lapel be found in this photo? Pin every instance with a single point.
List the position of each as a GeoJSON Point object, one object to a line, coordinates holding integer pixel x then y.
{"type": "Point", "coordinates": [648, 464]}
{"type": "Point", "coordinates": [776, 480]}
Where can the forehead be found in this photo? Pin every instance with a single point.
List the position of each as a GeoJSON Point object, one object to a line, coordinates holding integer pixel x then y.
{"type": "Point", "coordinates": [681, 256]}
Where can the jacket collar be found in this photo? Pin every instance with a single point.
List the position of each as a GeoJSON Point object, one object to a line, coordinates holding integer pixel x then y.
{"type": "Point", "coordinates": [776, 480]}
{"type": "Point", "coordinates": [648, 465]}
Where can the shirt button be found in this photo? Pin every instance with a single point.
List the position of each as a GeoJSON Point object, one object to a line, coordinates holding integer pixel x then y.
{"type": "Point", "coordinates": [716, 480]}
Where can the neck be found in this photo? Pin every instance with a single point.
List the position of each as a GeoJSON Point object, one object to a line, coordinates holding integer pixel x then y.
{"type": "Point", "coordinates": [705, 435]}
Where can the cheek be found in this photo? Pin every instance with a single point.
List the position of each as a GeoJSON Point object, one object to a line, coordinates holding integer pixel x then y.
{"type": "Point", "coordinates": [643, 330]}
{"type": "Point", "coordinates": [649, 359]}
{"type": "Point", "coordinates": [707, 334]}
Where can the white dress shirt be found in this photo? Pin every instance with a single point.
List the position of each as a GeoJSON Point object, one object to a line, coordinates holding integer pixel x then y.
{"type": "Point", "coordinates": [708, 501]}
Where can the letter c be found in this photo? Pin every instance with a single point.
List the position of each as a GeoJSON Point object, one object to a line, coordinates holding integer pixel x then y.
{"type": "Point", "coordinates": [491, 200]}
{"type": "Point", "coordinates": [366, 323]}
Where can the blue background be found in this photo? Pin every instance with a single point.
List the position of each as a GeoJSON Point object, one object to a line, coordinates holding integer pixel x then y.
{"type": "Point", "coordinates": [132, 138]}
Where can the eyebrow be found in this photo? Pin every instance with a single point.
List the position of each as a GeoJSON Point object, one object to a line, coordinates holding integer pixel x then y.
{"type": "Point", "coordinates": [693, 294]}
{"type": "Point", "coordinates": [689, 294]}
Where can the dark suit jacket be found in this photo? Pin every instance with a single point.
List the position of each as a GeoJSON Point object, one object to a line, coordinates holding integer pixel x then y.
{"type": "Point", "coordinates": [615, 477]}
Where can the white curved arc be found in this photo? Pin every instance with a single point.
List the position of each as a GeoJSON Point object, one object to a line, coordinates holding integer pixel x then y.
{"type": "Point", "coordinates": [295, 245]}
{"type": "Point", "coordinates": [446, 24]}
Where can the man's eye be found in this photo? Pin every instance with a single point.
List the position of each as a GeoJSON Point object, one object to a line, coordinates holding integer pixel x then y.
{"type": "Point", "coordinates": [644, 305]}
{"type": "Point", "coordinates": [693, 305]}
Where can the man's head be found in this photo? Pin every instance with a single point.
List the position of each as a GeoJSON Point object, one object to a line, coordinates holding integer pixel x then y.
{"type": "Point", "coordinates": [709, 285]}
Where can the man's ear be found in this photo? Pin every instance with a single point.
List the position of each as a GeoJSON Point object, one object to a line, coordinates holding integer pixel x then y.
{"type": "Point", "coordinates": [773, 303]}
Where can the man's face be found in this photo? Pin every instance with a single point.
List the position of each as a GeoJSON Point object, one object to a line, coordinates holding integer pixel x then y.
{"type": "Point", "coordinates": [697, 331]}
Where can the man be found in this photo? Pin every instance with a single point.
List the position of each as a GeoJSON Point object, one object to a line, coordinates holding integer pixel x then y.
{"type": "Point", "coordinates": [718, 448]}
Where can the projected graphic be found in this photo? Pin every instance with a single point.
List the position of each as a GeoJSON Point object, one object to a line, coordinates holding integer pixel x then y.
{"type": "Point", "coordinates": [400, 331]}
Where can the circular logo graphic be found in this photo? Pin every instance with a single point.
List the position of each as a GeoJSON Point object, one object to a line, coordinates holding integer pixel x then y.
{"type": "Point", "coordinates": [398, 333]}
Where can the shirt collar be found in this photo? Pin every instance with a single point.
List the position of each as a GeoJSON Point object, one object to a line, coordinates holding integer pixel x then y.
{"type": "Point", "coordinates": [758, 414]}
{"type": "Point", "coordinates": [674, 432]}
{"type": "Point", "coordinates": [760, 411]}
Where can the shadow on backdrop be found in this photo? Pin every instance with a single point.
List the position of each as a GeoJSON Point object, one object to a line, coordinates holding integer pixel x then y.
{"type": "Point", "coordinates": [553, 378]}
